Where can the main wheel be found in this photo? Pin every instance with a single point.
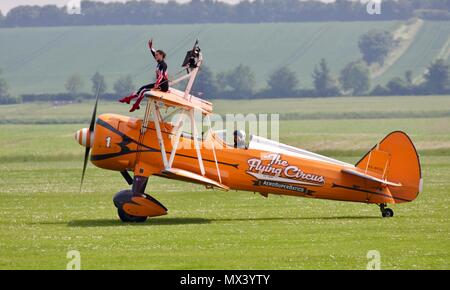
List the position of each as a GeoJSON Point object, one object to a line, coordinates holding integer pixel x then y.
{"type": "Point", "coordinates": [126, 218]}
{"type": "Point", "coordinates": [387, 212]}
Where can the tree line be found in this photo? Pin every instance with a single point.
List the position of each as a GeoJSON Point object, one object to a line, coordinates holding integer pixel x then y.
{"type": "Point", "coordinates": [239, 83]}
{"type": "Point", "coordinates": [210, 11]}
{"type": "Point", "coordinates": [352, 80]}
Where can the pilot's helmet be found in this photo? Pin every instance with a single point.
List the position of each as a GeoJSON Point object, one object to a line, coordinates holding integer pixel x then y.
{"type": "Point", "coordinates": [239, 139]}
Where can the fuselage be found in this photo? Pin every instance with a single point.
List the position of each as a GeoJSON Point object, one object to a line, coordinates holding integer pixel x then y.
{"type": "Point", "coordinates": [119, 145]}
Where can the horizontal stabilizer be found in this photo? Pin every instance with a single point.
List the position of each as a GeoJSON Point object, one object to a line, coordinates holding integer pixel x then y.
{"type": "Point", "coordinates": [185, 175]}
{"type": "Point", "coordinates": [369, 177]}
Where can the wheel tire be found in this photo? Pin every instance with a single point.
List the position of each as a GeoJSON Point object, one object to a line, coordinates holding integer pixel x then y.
{"type": "Point", "coordinates": [387, 213]}
{"type": "Point", "coordinates": [126, 218]}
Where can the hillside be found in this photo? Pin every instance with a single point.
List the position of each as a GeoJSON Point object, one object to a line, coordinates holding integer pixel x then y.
{"type": "Point", "coordinates": [41, 59]}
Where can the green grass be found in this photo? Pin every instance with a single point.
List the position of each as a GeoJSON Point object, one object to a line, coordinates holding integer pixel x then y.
{"type": "Point", "coordinates": [42, 214]}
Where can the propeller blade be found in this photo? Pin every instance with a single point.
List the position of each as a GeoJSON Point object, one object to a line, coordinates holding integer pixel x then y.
{"type": "Point", "coordinates": [91, 130]}
{"type": "Point", "coordinates": [94, 113]}
{"type": "Point", "coordinates": [86, 157]}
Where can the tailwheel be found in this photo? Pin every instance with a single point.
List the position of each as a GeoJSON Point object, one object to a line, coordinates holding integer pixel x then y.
{"type": "Point", "coordinates": [386, 212]}
{"type": "Point", "coordinates": [127, 218]}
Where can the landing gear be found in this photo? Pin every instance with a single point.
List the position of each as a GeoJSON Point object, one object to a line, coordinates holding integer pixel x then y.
{"type": "Point", "coordinates": [123, 197]}
{"type": "Point", "coordinates": [134, 206]}
{"type": "Point", "coordinates": [127, 218]}
{"type": "Point", "coordinates": [386, 212]}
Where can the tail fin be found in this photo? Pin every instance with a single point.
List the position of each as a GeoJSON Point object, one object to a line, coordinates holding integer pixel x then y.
{"type": "Point", "coordinates": [395, 159]}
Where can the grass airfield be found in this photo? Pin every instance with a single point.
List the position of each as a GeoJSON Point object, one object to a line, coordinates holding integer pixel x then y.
{"type": "Point", "coordinates": [43, 215]}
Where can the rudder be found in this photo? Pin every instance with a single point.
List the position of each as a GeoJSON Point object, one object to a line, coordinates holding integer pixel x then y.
{"type": "Point", "coordinates": [395, 159]}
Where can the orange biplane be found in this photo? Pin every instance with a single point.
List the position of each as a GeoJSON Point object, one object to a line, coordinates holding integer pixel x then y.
{"type": "Point", "coordinates": [388, 174]}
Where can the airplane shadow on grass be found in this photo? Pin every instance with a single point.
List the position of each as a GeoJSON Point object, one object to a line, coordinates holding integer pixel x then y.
{"type": "Point", "coordinates": [149, 222]}
{"type": "Point", "coordinates": [168, 221]}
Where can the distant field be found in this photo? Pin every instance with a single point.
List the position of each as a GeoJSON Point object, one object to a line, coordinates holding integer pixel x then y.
{"type": "Point", "coordinates": [43, 215]}
{"type": "Point", "coordinates": [41, 59]}
{"type": "Point", "coordinates": [432, 42]}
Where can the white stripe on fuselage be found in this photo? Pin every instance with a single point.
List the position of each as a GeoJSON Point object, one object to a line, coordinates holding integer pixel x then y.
{"type": "Point", "coordinates": [264, 144]}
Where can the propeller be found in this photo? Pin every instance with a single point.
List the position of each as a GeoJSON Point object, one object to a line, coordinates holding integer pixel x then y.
{"type": "Point", "coordinates": [91, 130]}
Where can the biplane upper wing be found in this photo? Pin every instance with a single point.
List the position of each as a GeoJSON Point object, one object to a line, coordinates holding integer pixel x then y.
{"type": "Point", "coordinates": [175, 98]}
{"type": "Point", "coordinates": [369, 177]}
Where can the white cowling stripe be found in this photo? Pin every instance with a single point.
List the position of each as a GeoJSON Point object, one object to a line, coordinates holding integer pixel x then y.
{"type": "Point", "coordinates": [84, 136]}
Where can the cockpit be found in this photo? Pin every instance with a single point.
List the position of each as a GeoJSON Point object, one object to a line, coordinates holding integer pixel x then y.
{"type": "Point", "coordinates": [236, 139]}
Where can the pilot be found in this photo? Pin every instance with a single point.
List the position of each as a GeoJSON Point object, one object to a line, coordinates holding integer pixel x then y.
{"type": "Point", "coordinates": [239, 139]}
{"type": "Point", "coordinates": [162, 79]}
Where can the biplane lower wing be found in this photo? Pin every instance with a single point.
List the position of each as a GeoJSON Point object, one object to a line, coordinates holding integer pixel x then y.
{"type": "Point", "coordinates": [369, 177]}
{"type": "Point", "coordinates": [185, 175]}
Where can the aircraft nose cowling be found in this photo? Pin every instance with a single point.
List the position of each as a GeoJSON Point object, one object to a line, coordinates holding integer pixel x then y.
{"type": "Point", "coordinates": [84, 137]}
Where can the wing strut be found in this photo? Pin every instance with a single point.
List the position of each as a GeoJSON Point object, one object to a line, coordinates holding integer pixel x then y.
{"type": "Point", "coordinates": [196, 144]}
{"type": "Point", "coordinates": [179, 130]}
{"type": "Point", "coordinates": [213, 148]}
{"type": "Point", "coordinates": [155, 112]}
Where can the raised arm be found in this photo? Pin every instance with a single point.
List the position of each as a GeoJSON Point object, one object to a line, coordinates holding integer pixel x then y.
{"type": "Point", "coordinates": [152, 50]}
